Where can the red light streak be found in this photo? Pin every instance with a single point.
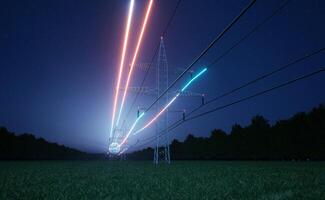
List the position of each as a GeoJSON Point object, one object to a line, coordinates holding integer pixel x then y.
{"type": "Point", "coordinates": [161, 112]}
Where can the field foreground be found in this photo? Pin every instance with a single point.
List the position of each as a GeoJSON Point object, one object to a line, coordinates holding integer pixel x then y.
{"type": "Point", "coordinates": [143, 180]}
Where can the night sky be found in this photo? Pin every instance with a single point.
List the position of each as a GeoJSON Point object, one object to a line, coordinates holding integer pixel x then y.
{"type": "Point", "coordinates": [59, 62]}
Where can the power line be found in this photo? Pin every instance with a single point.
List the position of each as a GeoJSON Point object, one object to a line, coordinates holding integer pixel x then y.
{"type": "Point", "coordinates": [212, 43]}
{"type": "Point", "coordinates": [180, 121]}
{"type": "Point", "coordinates": [258, 78]}
{"type": "Point", "coordinates": [276, 11]}
{"type": "Point", "coordinates": [263, 76]}
{"type": "Point", "coordinates": [229, 50]}
{"type": "Point", "coordinates": [306, 56]}
{"type": "Point", "coordinates": [256, 28]}
{"type": "Point", "coordinates": [175, 125]}
{"type": "Point", "coordinates": [154, 55]}
{"type": "Point", "coordinates": [171, 18]}
{"type": "Point", "coordinates": [203, 52]}
{"type": "Point", "coordinates": [258, 94]}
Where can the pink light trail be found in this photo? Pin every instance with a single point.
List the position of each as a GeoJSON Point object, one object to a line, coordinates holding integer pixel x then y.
{"type": "Point", "coordinates": [156, 117]}
{"type": "Point", "coordinates": [122, 63]}
{"type": "Point", "coordinates": [134, 59]}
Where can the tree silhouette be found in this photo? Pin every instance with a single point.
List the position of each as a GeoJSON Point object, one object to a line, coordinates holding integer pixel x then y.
{"type": "Point", "coordinates": [302, 137]}
{"type": "Point", "coordinates": [27, 147]}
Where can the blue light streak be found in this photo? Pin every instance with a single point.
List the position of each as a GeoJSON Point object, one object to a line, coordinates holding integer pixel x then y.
{"type": "Point", "coordinates": [171, 101]}
{"type": "Point", "coordinates": [195, 77]}
{"type": "Point", "coordinates": [131, 129]}
{"type": "Point", "coordinates": [163, 110]}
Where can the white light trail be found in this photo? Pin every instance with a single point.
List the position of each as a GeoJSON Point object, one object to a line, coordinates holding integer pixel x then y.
{"type": "Point", "coordinates": [129, 20]}
{"type": "Point", "coordinates": [162, 110]}
{"type": "Point", "coordinates": [131, 129]}
{"type": "Point", "coordinates": [134, 59]}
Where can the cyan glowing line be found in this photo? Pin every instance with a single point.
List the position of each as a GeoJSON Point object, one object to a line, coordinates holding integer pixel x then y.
{"type": "Point", "coordinates": [126, 36]}
{"type": "Point", "coordinates": [171, 101]}
{"type": "Point", "coordinates": [161, 111]}
{"type": "Point", "coordinates": [193, 79]}
{"type": "Point", "coordinates": [131, 129]}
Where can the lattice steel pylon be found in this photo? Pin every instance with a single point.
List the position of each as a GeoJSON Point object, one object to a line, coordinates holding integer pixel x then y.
{"type": "Point", "coordinates": [161, 150]}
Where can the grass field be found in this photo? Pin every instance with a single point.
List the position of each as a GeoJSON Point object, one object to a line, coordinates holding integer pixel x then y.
{"type": "Point", "coordinates": [180, 180]}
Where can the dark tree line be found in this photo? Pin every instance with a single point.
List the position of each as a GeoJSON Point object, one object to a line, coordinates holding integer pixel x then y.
{"type": "Point", "coordinates": [302, 137]}
{"type": "Point", "coordinates": [27, 147]}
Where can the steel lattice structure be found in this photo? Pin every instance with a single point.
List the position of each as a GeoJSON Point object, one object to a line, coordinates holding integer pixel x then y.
{"type": "Point", "coordinates": [161, 150]}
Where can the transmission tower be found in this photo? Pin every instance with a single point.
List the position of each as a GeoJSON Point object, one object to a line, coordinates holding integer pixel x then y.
{"type": "Point", "coordinates": [161, 152]}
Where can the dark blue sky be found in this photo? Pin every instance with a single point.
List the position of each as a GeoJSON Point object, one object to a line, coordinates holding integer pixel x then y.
{"type": "Point", "coordinates": [59, 59]}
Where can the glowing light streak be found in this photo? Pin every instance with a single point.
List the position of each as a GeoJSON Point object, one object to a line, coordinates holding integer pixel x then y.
{"type": "Point", "coordinates": [121, 152]}
{"type": "Point", "coordinates": [156, 117]}
{"type": "Point", "coordinates": [161, 111]}
{"type": "Point", "coordinates": [131, 129]}
{"type": "Point", "coordinates": [193, 79]}
{"type": "Point", "coordinates": [122, 63]}
{"type": "Point", "coordinates": [171, 101]}
{"type": "Point", "coordinates": [134, 59]}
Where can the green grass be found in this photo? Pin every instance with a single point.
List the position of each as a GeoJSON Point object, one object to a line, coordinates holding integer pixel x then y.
{"type": "Point", "coordinates": [180, 180]}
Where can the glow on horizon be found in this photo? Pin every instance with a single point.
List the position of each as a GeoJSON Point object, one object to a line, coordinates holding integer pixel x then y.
{"type": "Point", "coordinates": [126, 36]}
{"type": "Point", "coordinates": [121, 152]}
{"type": "Point", "coordinates": [134, 59]}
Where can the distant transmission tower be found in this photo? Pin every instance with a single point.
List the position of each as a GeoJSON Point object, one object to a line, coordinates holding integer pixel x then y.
{"type": "Point", "coordinates": [161, 151]}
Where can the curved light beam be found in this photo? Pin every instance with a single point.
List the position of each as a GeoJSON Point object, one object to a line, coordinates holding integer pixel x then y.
{"type": "Point", "coordinates": [162, 110]}
{"type": "Point", "coordinates": [193, 79]}
{"type": "Point", "coordinates": [131, 129]}
{"type": "Point", "coordinates": [126, 37]}
{"type": "Point", "coordinates": [121, 152]}
{"type": "Point", "coordinates": [134, 59]}
{"type": "Point", "coordinates": [172, 100]}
